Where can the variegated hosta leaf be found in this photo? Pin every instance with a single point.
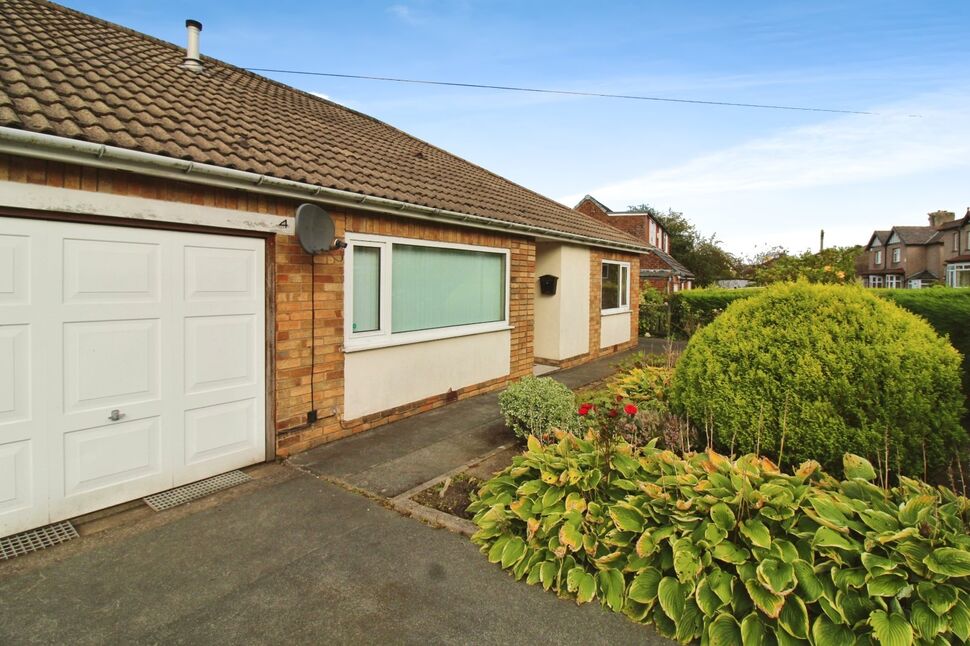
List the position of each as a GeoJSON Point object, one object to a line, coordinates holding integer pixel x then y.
{"type": "Point", "coordinates": [645, 586]}
{"type": "Point", "coordinates": [794, 617]}
{"type": "Point", "coordinates": [756, 533]}
{"type": "Point", "coordinates": [826, 633]}
{"type": "Point", "coordinates": [777, 576]}
{"type": "Point", "coordinates": [857, 467]}
{"type": "Point", "coordinates": [766, 601]}
{"type": "Point", "coordinates": [724, 631]}
{"type": "Point", "coordinates": [890, 629]}
{"type": "Point", "coordinates": [753, 632]}
{"type": "Point", "coordinates": [672, 596]}
{"type": "Point", "coordinates": [723, 516]}
{"type": "Point", "coordinates": [949, 561]}
{"type": "Point", "coordinates": [939, 597]}
{"type": "Point", "coordinates": [926, 622]}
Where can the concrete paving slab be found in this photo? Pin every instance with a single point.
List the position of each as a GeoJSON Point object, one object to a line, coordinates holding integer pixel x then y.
{"type": "Point", "coordinates": [391, 459]}
{"type": "Point", "coordinates": [297, 561]}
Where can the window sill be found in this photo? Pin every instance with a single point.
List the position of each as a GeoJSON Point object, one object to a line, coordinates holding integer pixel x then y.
{"type": "Point", "coordinates": [624, 310]}
{"type": "Point", "coordinates": [409, 338]}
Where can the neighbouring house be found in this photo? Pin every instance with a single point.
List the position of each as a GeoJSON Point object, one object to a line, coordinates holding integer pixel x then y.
{"type": "Point", "coordinates": [914, 257]}
{"type": "Point", "coordinates": [159, 321]}
{"type": "Point", "coordinates": [657, 268]}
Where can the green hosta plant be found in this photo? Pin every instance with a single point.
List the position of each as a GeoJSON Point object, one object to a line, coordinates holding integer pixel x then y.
{"type": "Point", "coordinates": [733, 552]}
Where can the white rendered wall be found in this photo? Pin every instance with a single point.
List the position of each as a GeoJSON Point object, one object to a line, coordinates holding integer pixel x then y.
{"type": "Point", "coordinates": [574, 302]}
{"type": "Point", "coordinates": [376, 380]}
{"type": "Point", "coordinates": [562, 320]}
{"type": "Point", "coordinates": [614, 329]}
{"type": "Point", "coordinates": [546, 332]}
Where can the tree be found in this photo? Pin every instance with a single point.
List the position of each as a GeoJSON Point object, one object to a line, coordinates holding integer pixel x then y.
{"type": "Point", "coordinates": [703, 256]}
{"type": "Point", "coordinates": [832, 265]}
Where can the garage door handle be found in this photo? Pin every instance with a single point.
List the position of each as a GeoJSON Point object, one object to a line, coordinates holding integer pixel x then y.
{"type": "Point", "coordinates": [115, 415]}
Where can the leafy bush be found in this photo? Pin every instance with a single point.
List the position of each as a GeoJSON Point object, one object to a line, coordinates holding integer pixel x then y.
{"type": "Point", "coordinates": [536, 405]}
{"type": "Point", "coordinates": [654, 312]}
{"type": "Point", "coordinates": [803, 372]}
{"type": "Point", "coordinates": [733, 552]}
{"type": "Point", "coordinates": [646, 387]}
{"type": "Point", "coordinates": [947, 310]}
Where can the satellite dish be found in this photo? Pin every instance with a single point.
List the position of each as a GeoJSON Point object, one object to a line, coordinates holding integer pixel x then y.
{"type": "Point", "coordinates": [315, 230]}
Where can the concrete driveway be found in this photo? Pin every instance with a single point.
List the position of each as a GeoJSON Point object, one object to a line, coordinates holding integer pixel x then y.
{"type": "Point", "coordinates": [289, 559]}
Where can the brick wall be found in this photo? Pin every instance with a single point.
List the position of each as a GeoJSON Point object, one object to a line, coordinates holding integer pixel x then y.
{"type": "Point", "coordinates": [293, 353]}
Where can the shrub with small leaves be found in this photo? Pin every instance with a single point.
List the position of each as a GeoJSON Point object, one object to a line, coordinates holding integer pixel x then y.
{"type": "Point", "coordinates": [803, 371]}
{"type": "Point", "coordinates": [537, 405]}
{"type": "Point", "coordinates": [734, 552]}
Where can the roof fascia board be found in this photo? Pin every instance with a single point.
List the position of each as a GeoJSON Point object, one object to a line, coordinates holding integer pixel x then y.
{"type": "Point", "coordinates": [24, 143]}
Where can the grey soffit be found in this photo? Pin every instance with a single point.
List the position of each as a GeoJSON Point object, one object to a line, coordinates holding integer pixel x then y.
{"type": "Point", "coordinates": [194, 491]}
{"type": "Point", "coordinates": [36, 539]}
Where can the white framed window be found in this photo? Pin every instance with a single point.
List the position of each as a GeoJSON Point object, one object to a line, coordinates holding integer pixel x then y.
{"type": "Point", "coordinates": [893, 281]}
{"type": "Point", "coordinates": [897, 254]}
{"type": "Point", "coordinates": [958, 275]}
{"type": "Point", "coordinates": [875, 281]}
{"type": "Point", "coordinates": [652, 227]}
{"type": "Point", "coordinates": [400, 290]}
{"type": "Point", "coordinates": [879, 256]}
{"type": "Point", "coordinates": [915, 283]}
{"type": "Point", "coordinates": [956, 241]}
{"type": "Point", "coordinates": [968, 240]}
{"type": "Point", "coordinates": [615, 287]}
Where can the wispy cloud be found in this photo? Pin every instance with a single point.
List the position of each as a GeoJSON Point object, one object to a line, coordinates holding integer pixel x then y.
{"type": "Point", "coordinates": [767, 189]}
{"type": "Point", "coordinates": [404, 13]}
{"type": "Point", "coordinates": [850, 149]}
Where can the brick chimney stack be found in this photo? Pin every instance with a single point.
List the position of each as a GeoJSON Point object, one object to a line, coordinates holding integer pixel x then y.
{"type": "Point", "coordinates": [938, 218]}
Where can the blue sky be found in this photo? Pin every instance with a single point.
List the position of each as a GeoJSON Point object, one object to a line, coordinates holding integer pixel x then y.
{"type": "Point", "coordinates": [756, 178]}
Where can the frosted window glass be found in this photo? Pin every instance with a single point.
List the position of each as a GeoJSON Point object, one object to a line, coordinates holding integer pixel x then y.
{"type": "Point", "coordinates": [367, 289]}
{"type": "Point", "coordinates": [433, 287]}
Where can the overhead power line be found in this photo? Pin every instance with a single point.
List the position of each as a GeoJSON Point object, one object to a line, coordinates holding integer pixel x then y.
{"type": "Point", "coordinates": [604, 95]}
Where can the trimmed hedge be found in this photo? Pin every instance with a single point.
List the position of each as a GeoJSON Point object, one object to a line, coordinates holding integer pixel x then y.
{"type": "Point", "coordinates": [695, 308]}
{"type": "Point", "coordinates": [809, 372]}
{"type": "Point", "coordinates": [947, 310]}
{"type": "Point", "coordinates": [731, 552]}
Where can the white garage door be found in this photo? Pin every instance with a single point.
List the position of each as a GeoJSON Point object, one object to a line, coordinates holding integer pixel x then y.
{"type": "Point", "coordinates": [165, 328]}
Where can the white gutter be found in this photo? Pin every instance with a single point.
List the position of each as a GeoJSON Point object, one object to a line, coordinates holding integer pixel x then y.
{"type": "Point", "coordinates": [24, 143]}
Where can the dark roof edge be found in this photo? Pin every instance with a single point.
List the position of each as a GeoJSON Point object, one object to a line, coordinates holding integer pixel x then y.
{"type": "Point", "coordinates": [25, 143]}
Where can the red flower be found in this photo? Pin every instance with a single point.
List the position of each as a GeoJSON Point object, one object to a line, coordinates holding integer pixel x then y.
{"type": "Point", "coordinates": [630, 409]}
{"type": "Point", "coordinates": [619, 398]}
{"type": "Point", "coordinates": [585, 408]}
{"type": "Point", "coordinates": [613, 412]}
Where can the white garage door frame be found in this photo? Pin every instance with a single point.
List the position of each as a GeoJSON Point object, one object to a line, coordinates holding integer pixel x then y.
{"type": "Point", "coordinates": [66, 417]}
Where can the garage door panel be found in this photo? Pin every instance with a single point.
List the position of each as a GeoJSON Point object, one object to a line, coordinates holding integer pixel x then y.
{"type": "Point", "coordinates": [111, 363]}
{"type": "Point", "coordinates": [14, 270]}
{"type": "Point", "coordinates": [121, 453]}
{"type": "Point", "coordinates": [111, 271]}
{"type": "Point", "coordinates": [16, 477]}
{"type": "Point", "coordinates": [15, 374]}
{"type": "Point", "coordinates": [220, 430]}
{"type": "Point", "coordinates": [220, 352]}
{"type": "Point", "coordinates": [219, 274]}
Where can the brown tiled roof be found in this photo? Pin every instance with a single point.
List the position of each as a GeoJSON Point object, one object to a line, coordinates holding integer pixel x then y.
{"type": "Point", "coordinates": [882, 236]}
{"type": "Point", "coordinates": [915, 235]}
{"type": "Point", "coordinates": [71, 75]}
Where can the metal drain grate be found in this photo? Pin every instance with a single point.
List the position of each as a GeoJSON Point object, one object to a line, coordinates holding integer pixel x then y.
{"type": "Point", "coordinates": [36, 539]}
{"type": "Point", "coordinates": [195, 490]}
